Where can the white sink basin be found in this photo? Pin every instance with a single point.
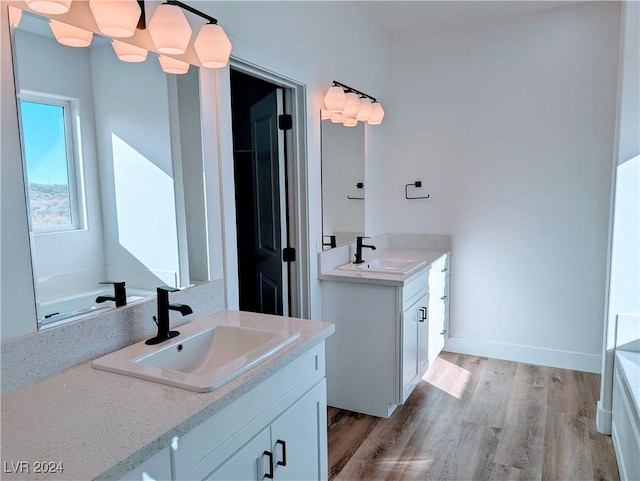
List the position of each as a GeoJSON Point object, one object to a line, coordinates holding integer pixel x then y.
{"type": "Point", "coordinates": [386, 265]}
{"type": "Point", "coordinates": [202, 358]}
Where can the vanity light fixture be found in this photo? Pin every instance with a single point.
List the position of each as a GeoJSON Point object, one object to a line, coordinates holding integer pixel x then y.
{"type": "Point", "coordinates": [171, 33]}
{"type": "Point", "coordinates": [15, 15]}
{"type": "Point", "coordinates": [54, 7]}
{"type": "Point", "coordinates": [70, 35]}
{"type": "Point", "coordinates": [173, 65]}
{"type": "Point", "coordinates": [127, 52]}
{"type": "Point", "coordinates": [365, 110]}
{"type": "Point", "coordinates": [377, 114]}
{"type": "Point", "coordinates": [212, 46]}
{"type": "Point", "coordinates": [325, 114]}
{"type": "Point", "coordinates": [169, 29]}
{"type": "Point", "coordinates": [116, 18]}
{"type": "Point", "coordinates": [337, 118]}
{"type": "Point", "coordinates": [335, 98]}
{"type": "Point", "coordinates": [349, 106]}
{"type": "Point", "coordinates": [349, 121]}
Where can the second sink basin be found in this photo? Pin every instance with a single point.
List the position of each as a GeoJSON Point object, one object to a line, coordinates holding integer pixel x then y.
{"type": "Point", "coordinates": [202, 358]}
{"type": "Point", "coordinates": [387, 265]}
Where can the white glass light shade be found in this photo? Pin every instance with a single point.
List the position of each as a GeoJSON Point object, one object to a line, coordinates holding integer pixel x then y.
{"type": "Point", "coordinates": [55, 7]}
{"type": "Point", "coordinates": [335, 99]}
{"type": "Point", "coordinates": [15, 15]}
{"type": "Point", "coordinates": [352, 105]}
{"type": "Point", "coordinates": [349, 122]}
{"type": "Point", "coordinates": [127, 52]}
{"type": "Point", "coordinates": [377, 114]}
{"type": "Point", "coordinates": [337, 118]}
{"type": "Point", "coordinates": [69, 35]}
{"type": "Point", "coordinates": [365, 110]}
{"type": "Point", "coordinates": [325, 114]}
{"type": "Point", "coordinates": [116, 18]}
{"type": "Point", "coordinates": [212, 46]}
{"type": "Point", "coordinates": [172, 65]}
{"type": "Point", "coordinates": [169, 29]}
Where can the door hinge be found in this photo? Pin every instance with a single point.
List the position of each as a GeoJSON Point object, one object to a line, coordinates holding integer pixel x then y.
{"type": "Point", "coordinates": [288, 254]}
{"type": "Point", "coordinates": [285, 122]}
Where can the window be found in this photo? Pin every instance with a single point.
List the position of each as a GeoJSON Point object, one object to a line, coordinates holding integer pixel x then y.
{"type": "Point", "coordinates": [50, 164]}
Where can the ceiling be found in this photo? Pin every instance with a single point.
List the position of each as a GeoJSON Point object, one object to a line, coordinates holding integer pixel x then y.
{"type": "Point", "coordinates": [399, 16]}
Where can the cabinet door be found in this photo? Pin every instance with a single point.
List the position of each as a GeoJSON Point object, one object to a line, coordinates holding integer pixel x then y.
{"type": "Point", "coordinates": [299, 438]}
{"type": "Point", "coordinates": [413, 331]}
{"type": "Point", "coordinates": [249, 463]}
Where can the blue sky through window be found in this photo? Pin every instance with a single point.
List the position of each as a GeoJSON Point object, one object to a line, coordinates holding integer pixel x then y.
{"type": "Point", "coordinates": [44, 143]}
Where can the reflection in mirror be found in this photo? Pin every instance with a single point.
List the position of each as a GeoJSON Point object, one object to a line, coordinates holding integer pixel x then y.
{"type": "Point", "coordinates": [113, 173]}
{"type": "Point", "coordinates": [343, 189]}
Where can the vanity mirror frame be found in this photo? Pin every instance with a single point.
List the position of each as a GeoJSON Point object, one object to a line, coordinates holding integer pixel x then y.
{"type": "Point", "coordinates": [17, 272]}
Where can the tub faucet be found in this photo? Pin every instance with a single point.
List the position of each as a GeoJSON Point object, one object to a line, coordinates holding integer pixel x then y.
{"type": "Point", "coordinates": [120, 294]}
{"type": "Point", "coordinates": [359, 246]}
{"type": "Point", "coordinates": [162, 321]}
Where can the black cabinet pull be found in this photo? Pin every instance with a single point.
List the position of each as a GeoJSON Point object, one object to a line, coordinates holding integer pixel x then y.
{"type": "Point", "coordinates": [423, 310]}
{"type": "Point", "coordinates": [443, 298]}
{"type": "Point", "coordinates": [284, 452]}
{"type": "Point", "coordinates": [269, 475]}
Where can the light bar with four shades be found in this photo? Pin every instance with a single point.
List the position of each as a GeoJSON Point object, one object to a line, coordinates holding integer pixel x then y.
{"type": "Point", "coordinates": [347, 106]}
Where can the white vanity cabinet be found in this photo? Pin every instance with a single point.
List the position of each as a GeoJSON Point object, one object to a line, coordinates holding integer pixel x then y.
{"type": "Point", "coordinates": [276, 431]}
{"type": "Point", "coordinates": [386, 335]}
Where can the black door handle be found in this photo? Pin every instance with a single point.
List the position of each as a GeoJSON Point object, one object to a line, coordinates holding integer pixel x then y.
{"type": "Point", "coordinates": [284, 452]}
{"type": "Point", "coordinates": [269, 475]}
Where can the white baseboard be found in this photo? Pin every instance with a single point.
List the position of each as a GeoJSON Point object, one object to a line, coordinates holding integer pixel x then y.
{"type": "Point", "coordinates": [603, 420]}
{"type": "Point", "coordinates": [578, 361]}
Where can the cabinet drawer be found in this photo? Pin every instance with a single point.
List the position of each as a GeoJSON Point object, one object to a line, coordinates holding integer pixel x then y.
{"type": "Point", "coordinates": [415, 289]}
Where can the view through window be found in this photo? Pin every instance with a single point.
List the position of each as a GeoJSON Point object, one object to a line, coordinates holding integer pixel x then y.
{"type": "Point", "coordinates": [48, 165]}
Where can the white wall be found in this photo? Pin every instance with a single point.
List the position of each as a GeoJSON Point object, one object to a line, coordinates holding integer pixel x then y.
{"type": "Point", "coordinates": [510, 125]}
{"type": "Point", "coordinates": [67, 262]}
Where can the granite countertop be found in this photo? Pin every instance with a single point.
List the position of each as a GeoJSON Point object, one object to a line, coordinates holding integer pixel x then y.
{"type": "Point", "coordinates": [381, 278]}
{"type": "Point", "coordinates": [101, 425]}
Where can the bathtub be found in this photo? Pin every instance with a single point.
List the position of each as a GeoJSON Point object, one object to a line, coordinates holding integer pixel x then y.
{"type": "Point", "coordinates": [52, 312]}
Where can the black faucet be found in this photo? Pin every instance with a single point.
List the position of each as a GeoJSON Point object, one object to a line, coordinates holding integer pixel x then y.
{"type": "Point", "coordinates": [331, 243]}
{"type": "Point", "coordinates": [120, 294]}
{"type": "Point", "coordinates": [359, 246]}
{"type": "Point", "coordinates": [162, 321]}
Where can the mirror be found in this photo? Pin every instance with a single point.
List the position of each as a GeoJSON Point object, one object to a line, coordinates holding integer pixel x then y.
{"type": "Point", "coordinates": [112, 158]}
{"type": "Point", "coordinates": [343, 188]}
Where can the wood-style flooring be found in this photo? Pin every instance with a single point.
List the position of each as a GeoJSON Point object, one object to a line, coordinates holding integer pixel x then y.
{"type": "Point", "coordinates": [473, 418]}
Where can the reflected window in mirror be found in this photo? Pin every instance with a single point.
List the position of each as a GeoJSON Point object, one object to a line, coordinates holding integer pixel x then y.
{"type": "Point", "coordinates": [51, 163]}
